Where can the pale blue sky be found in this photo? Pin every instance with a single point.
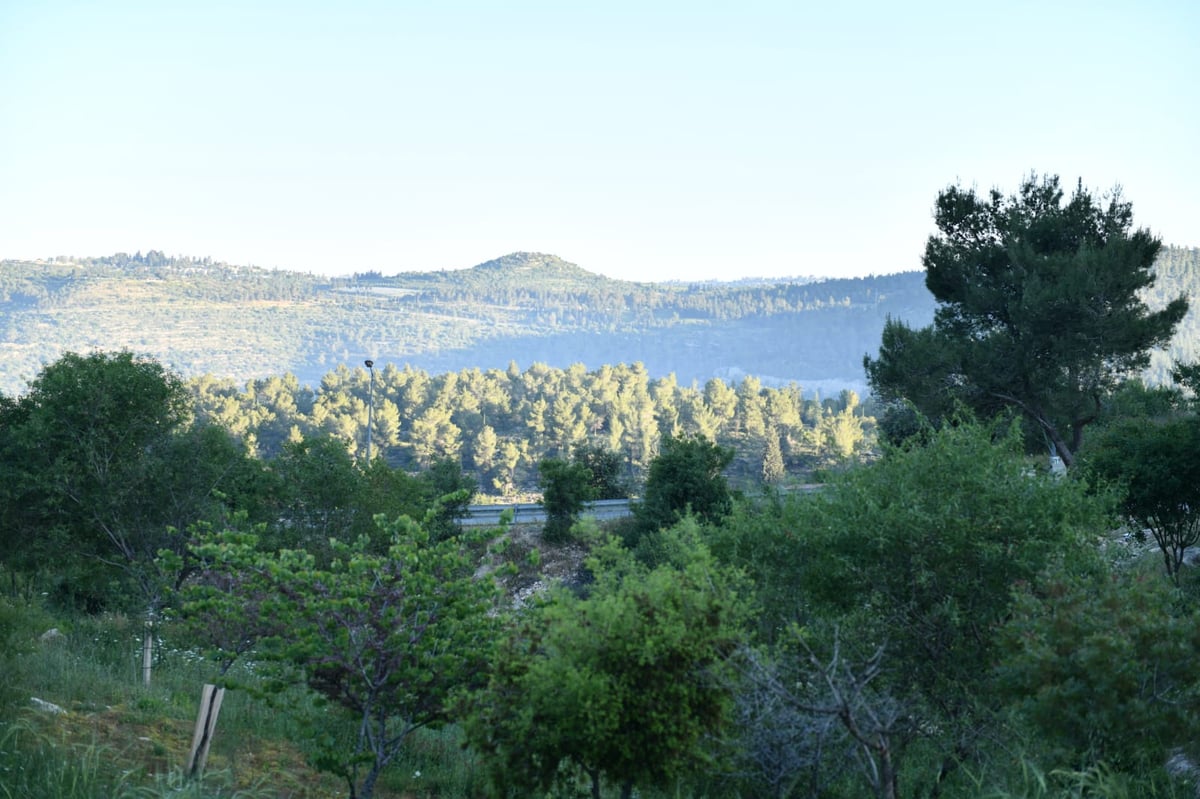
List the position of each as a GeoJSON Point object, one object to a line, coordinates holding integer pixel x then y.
{"type": "Point", "coordinates": [650, 140]}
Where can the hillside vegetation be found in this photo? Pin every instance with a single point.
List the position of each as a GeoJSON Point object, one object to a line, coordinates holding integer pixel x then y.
{"type": "Point", "coordinates": [945, 617]}
{"type": "Point", "coordinates": [244, 322]}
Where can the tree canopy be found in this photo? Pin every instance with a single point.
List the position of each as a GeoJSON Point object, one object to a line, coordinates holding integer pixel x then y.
{"type": "Point", "coordinates": [1039, 312]}
{"type": "Point", "coordinates": [686, 476]}
{"type": "Point", "coordinates": [95, 473]}
{"type": "Point", "coordinates": [1156, 464]}
{"type": "Point", "coordinates": [624, 684]}
{"type": "Point", "coordinates": [387, 637]}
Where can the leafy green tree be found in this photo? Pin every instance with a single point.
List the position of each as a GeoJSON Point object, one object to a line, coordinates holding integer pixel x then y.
{"type": "Point", "coordinates": [1156, 463]}
{"type": "Point", "coordinates": [447, 495]}
{"type": "Point", "coordinates": [566, 488]}
{"type": "Point", "coordinates": [698, 416]}
{"type": "Point", "coordinates": [1135, 399]}
{"type": "Point", "coordinates": [625, 684]}
{"type": "Point", "coordinates": [686, 476]}
{"type": "Point", "coordinates": [1104, 666]}
{"type": "Point", "coordinates": [936, 537]}
{"type": "Point", "coordinates": [205, 474]}
{"type": "Point", "coordinates": [484, 449]}
{"type": "Point", "coordinates": [388, 637]}
{"type": "Point", "coordinates": [751, 407]}
{"type": "Point", "coordinates": [15, 552]}
{"type": "Point", "coordinates": [919, 551]}
{"type": "Point", "coordinates": [511, 456]}
{"type": "Point", "coordinates": [387, 425]}
{"type": "Point", "coordinates": [783, 407]}
{"type": "Point", "coordinates": [665, 393]}
{"type": "Point", "coordinates": [722, 400]}
{"type": "Point", "coordinates": [1039, 309]}
{"type": "Point", "coordinates": [843, 431]}
{"type": "Point", "coordinates": [383, 490]}
{"type": "Point", "coordinates": [319, 487]}
{"type": "Point", "coordinates": [605, 467]}
{"type": "Point", "coordinates": [435, 436]}
{"type": "Point", "coordinates": [91, 445]}
{"type": "Point", "coordinates": [1188, 376]}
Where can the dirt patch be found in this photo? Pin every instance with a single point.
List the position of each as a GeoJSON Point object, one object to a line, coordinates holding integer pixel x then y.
{"type": "Point", "coordinates": [535, 574]}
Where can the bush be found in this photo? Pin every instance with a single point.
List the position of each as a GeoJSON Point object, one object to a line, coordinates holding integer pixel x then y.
{"type": "Point", "coordinates": [1103, 666]}
{"type": "Point", "coordinates": [20, 626]}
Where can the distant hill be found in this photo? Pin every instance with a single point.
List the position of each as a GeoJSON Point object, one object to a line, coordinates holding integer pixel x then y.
{"type": "Point", "coordinates": [201, 316]}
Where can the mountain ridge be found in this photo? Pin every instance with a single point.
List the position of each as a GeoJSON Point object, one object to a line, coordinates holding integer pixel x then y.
{"type": "Point", "coordinates": [200, 316]}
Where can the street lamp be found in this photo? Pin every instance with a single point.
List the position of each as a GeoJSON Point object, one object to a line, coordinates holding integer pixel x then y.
{"type": "Point", "coordinates": [370, 407]}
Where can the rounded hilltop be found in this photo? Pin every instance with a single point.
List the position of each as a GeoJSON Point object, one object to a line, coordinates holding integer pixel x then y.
{"type": "Point", "coordinates": [546, 271]}
{"type": "Point", "coordinates": [535, 262]}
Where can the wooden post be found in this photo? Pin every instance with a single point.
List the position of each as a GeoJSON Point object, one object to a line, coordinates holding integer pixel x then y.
{"type": "Point", "coordinates": [148, 648]}
{"type": "Point", "coordinates": [206, 722]}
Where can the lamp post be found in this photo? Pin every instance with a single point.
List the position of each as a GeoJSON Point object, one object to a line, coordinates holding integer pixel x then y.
{"type": "Point", "coordinates": [370, 407]}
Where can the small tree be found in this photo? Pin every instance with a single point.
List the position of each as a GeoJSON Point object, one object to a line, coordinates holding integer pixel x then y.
{"type": "Point", "coordinates": [1157, 464]}
{"type": "Point", "coordinates": [605, 466]}
{"type": "Point", "coordinates": [624, 684]}
{"type": "Point", "coordinates": [829, 704]}
{"type": "Point", "coordinates": [448, 493]}
{"type": "Point", "coordinates": [686, 475]}
{"type": "Point", "coordinates": [1104, 666]}
{"type": "Point", "coordinates": [773, 469]}
{"type": "Point", "coordinates": [566, 488]}
{"type": "Point", "coordinates": [779, 747]}
{"type": "Point", "coordinates": [388, 637]}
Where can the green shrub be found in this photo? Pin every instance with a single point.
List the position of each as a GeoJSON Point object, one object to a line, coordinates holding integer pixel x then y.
{"type": "Point", "coordinates": [20, 626]}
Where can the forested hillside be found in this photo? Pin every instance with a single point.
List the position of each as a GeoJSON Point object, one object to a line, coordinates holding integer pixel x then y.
{"type": "Point", "coordinates": [499, 424]}
{"type": "Point", "coordinates": [244, 322]}
{"type": "Point", "coordinates": [1178, 272]}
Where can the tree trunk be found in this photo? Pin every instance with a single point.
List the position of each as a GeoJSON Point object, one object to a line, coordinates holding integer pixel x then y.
{"type": "Point", "coordinates": [890, 788]}
{"type": "Point", "coordinates": [368, 784]}
{"type": "Point", "coordinates": [595, 775]}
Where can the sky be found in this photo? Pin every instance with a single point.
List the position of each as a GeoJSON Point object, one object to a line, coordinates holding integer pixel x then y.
{"type": "Point", "coordinates": [640, 140]}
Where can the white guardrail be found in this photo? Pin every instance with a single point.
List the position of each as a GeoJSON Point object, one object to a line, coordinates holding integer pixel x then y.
{"type": "Point", "coordinates": [601, 509]}
{"type": "Point", "coordinates": [533, 513]}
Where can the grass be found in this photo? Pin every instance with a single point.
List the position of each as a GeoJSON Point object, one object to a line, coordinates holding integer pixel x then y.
{"type": "Point", "coordinates": [50, 763]}
{"type": "Point", "coordinates": [120, 738]}
{"type": "Point", "coordinates": [1094, 782]}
